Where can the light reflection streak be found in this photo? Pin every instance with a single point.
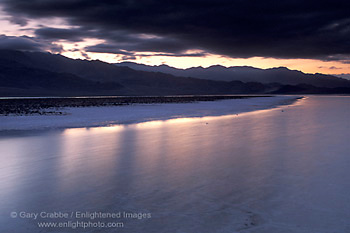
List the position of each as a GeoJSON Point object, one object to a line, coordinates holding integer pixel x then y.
{"type": "Point", "coordinates": [179, 120]}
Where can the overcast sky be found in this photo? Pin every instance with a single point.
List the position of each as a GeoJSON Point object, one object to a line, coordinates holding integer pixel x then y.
{"type": "Point", "coordinates": [313, 36]}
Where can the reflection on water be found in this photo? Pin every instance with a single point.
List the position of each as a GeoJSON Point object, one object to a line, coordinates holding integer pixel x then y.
{"type": "Point", "coordinates": [279, 170]}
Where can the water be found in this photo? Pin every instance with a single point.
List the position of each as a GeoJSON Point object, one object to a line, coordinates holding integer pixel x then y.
{"type": "Point", "coordinates": [279, 170]}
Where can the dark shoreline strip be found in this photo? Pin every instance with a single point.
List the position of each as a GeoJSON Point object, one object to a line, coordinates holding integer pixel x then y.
{"type": "Point", "coordinates": [43, 106]}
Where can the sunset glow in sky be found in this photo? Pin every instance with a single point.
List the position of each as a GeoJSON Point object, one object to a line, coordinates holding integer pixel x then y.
{"type": "Point", "coordinates": [153, 33]}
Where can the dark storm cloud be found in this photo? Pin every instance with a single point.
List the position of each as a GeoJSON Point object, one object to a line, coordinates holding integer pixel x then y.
{"type": "Point", "coordinates": [343, 58]}
{"type": "Point", "coordinates": [116, 40]}
{"type": "Point", "coordinates": [18, 20]}
{"type": "Point", "coordinates": [106, 48]}
{"type": "Point", "coordinates": [132, 49]}
{"type": "Point", "coordinates": [281, 29]}
{"type": "Point", "coordinates": [60, 33]}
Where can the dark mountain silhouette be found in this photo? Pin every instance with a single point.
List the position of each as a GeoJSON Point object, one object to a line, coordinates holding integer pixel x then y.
{"type": "Point", "coordinates": [23, 80]}
{"type": "Point", "coordinates": [45, 74]}
{"type": "Point", "coordinates": [36, 73]}
{"type": "Point", "coordinates": [280, 75]}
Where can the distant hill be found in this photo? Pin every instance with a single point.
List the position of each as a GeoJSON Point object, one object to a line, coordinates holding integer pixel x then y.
{"type": "Point", "coordinates": [35, 73]}
{"type": "Point", "coordinates": [344, 76]}
{"type": "Point", "coordinates": [280, 75]}
{"type": "Point", "coordinates": [18, 78]}
{"type": "Point", "coordinates": [45, 74]}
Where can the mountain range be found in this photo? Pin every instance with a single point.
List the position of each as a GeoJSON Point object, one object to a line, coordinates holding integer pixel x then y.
{"type": "Point", "coordinates": [245, 74]}
{"type": "Point", "coordinates": [46, 74]}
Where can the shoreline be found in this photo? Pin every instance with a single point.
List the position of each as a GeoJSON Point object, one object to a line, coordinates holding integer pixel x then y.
{"type": "Point", "coordinates": [54, 105]}
{"type": "Point", "coordinates": [106, 115]}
